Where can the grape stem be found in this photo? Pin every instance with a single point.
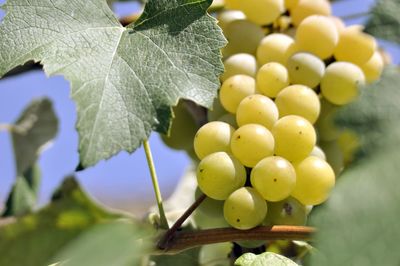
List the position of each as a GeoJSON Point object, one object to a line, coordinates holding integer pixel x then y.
{"type": "Point", "coordinates": [186, 240]}
{"type": "Point", "coordinates": [169, 235]}
{"type": "Point", "coordinates": [156, 187]}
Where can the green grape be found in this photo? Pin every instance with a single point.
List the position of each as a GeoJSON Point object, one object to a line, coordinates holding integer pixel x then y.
{"type": "Point", "coordinates": [355, 46]}
{"type": "Point", "coordinates": [341, 82]}
{"type": "Point", "coordinates": [213, 137]}
{"type": "Point", "coordinates": [216, 112]}
{"type": "Point", "coordinates": [373, 68]}
{"type": "Point", "coordinates": [286, 212]}
{"type": "Point", "coordinates": [226, 17]}
{"type": "Point", "coordinates": [257, 109]}
{"type": "Point", "coordinates": [219, 174]}
{"type": "Point", "coordinates": [318, 152]}
{"type": "Point", "coordinates": [251, 143]}
{"type": "Point", "coordinates": [272, 78]}
{"type": "Point", "coordinates": [229, 119]}
{"type": "Point", "coordinates": [262, 12]}
{"type": "Point", "coordinates": [183, 129]}
{"type": "Point", "coordinates": [209, 206]}
{"type": "Point", "coordinates": [232, 4]}
{"type": "Point", "coordinates": [334, 155]}
{"type": "Point", "coordinates": [349, 143]}
{"type": "Point", "coordinates": [234, 90]}
{"type": "Point", "coordinates": [305, 69]}
{"type": "Point", "coordinates": [299, 100]}
{"type": "Point", "coordinates": [245, 208]}
{"type": "Point", "coordinates": [339, 24]}
{"type": "Point", "coordinates": [276, 47]}
{"type": "Point", "coordinates": [274, 178]}
{"type": "Point", "coordinates": [239, 30]}
{"type": "Point", "coordinates": [290, 4]}
{"type": "Point", "coordinates": [327, 130]}
{"type": "Point", "coordinates": [237, 64]}
{"type": "Point", "coordinates": [315, 180]}
{"type": "Point", "coordinates": [204, 221]}
{"type": "Point", "coordinates": [318, 35]}
{"type": "Point", "coordinates": [306, 8]}
{"type": "Point", "coordinates": [294, 137]}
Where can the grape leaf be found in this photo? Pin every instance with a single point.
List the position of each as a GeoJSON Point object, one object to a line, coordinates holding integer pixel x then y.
{"type": "Point", "coordinates": [187, 257]}
{"type": "Point", "coordinates": [124, 79]}
{"type": "Point", "coordinates": [267, 258]}
{"type": "Point", "coordinates": [22, 199]}
{"type": "Point", "coordinates": [117, 244]}
{"type": "Point", "coordinates": [37, 125]}
{"type": "Point", "coordinates": [359, 224]}
{"type": "Point", "coordinates": [35, 238]}
{"type": "Point", "coordinates": [385, 21]}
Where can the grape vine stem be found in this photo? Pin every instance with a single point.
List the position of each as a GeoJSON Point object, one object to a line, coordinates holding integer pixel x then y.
{"type": "Point", "coordinates": [156, 187]}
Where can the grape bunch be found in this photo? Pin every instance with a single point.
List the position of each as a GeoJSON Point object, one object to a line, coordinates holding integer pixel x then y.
{"type": "Point", "coordinates": [289, 65]}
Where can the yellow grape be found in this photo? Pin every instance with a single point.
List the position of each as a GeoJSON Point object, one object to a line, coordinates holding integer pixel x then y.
{"type": "Point", "coordinates": [262, 12]}
{"type": "Point", "coordinates": [334, 155]}
{"type": "Point", "coordinates": [299, 100]}
{"type": "Point", "coordinates": [339, 23]}
{"type": "Point", "coordinates": [327, 130]}
{"type": "Point", "coordinates": [341, 82]}
{"type": "Point", "coordinates": [306, 8]}
{"type": "Point", "coordinates": [290, 4]}
{"type": "Point", "coordinates": [274, 178]}
{"type": "Point", "coordinates": [257, 109]}
{"type": "Point", "coordinates": [183, 129]}
{"type": "Point", "coordinates": [355, 46]}
{"type": "Point", "coordinates": [237, 64]}
{"type": "Point", "coordinates": [245, 208]}
{"type": "Point", "coordinates": [318, 152]}
{"type": "Point", "coordinates": [251, 143]}
{"type": "Point", "coordinates": [276, 47]}
{"type": "Point", "coordinates": [204, 221]}
{"type": "Point", "coordinates": [294, 137]}
{"type": "Point", "coordinates": [271, 79]}
{"type": "Point", "coordinates": [318, 35]}
{"type": "Point", "coordinates": [373, 67]}
{"type": "Point", "coordinates": [213, 137]}
{"type": "Point", "coordinates": [225, 17]}
{"type": "Point", "coordinates": [234, 90]}
{"type": "Point", "coordinates": [219, 174]}
{"type": "Point", "coordinates": [233, 4]}
{"type": "Point", "coordinates": [209, 206]}
{"type": "Point", "coordinates": [315, 180]}
{"type": "Point", "coordinates": [239, 30]}
{"type": "Point", "coordinates": [305, 69]}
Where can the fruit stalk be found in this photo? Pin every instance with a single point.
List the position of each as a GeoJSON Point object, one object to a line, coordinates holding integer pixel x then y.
{"type": "Point", "coordinates": [156, 187]}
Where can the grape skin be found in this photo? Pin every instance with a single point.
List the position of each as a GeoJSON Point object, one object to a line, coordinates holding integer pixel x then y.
{"type": "Point", "coordinates": [276, 47]}
{"type": "Point", "coordinates": [306, 8]}
{"type": "Point", "coordinates": [234, 90]}
{"type": "Point", "coordinates": [305, 69]}
{"type": "Point", "coordinates": [237, 64]}
{"type": "Point", "coordinates": [245, 209]}
{"type": "Point", "coordinates": [315, 180]}
{"type": "Point", "coordinates": [251, 143]}
{"type": "Point", "coordinates": [272, 78]}
{"type": "Point", "coordinates": [294, 137]}
{"type": "Point", "coordinates": [257, 109]}
{"type": "Point", "coordinates": [286, 212]}
{"type": "Point", "coordinates": [274, 178]}
{"type": "Point", "coordinates": [213, 137]}
{"type": "Point", "coordinates": [299, 100]}
{"type": "Point", "coordinates": [219, 174]}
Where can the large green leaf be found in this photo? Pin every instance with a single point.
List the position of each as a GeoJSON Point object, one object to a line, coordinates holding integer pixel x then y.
{"type": "Point", "coordinates": [36, 126]}
{"type": "Point", "coordinates": [36, 238]}
{"type": "Point", "coordinates": [267, 258]}
{"type": "Point", "coordinates": [385, 21]}
{"type": "Point", "coordinates": [359, 225]}
{"type": "Point", "coordinates": [124, 80]}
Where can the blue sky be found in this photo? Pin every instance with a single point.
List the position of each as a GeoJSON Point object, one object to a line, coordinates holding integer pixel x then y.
{"type": "Point", "coordinates": [124, 178]}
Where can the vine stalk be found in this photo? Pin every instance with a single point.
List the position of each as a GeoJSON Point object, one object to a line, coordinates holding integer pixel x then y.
{"type": "Point", "coordinates": [156, 187]}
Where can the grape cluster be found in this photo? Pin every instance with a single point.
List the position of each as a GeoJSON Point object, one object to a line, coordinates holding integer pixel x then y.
{"type": "Point", "coordinates": [289, 65]}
